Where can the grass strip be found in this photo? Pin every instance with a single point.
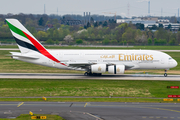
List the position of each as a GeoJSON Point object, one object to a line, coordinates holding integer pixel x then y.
{"type": "Point", "coordinates": [85, 88]}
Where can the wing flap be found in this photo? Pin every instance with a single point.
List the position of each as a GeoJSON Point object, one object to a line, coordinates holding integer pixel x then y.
{"type": "Point", "coordinates": [79, 65]}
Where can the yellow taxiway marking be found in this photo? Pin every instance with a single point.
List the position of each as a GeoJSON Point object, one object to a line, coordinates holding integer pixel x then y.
{"type": "Point", "coordinates": [94, 116]}
{"type": "Point", "coordinates": [85, 105]}
{"type": "Point", "coordinates": [20, 104]}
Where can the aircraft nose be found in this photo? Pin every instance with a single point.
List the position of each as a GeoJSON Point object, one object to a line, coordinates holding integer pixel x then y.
{"type": "Point", "coordinates": [175, 63]}
{"type": "Point", "coordinates": [172, 63]}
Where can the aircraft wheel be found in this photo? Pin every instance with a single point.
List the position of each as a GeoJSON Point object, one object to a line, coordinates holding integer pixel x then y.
{"type": "Point", "coordinates": [94, 74]}
{"type": "Point", "coordinates": [86, 74]}
{"type": "Point", "coordinates": [165, 74]}
{"type": "Point", "coordinates": [90, 74]}
{"type": "Point", "coordinates": [99, 74]}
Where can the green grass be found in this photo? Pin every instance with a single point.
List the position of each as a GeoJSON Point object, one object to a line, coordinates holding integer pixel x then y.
{"type": "Point", "coordinates": [134, 47]}
{"type": "Point", "coordinates": [15, 66]}
{"type": "Point", "coordinates": [28, 117]}
{"type": "Point", "coordinates": [104, 88]}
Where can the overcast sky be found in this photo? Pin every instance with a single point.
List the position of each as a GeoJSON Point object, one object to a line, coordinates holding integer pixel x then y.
{"type": "Point", "coordinates": [136, 7]}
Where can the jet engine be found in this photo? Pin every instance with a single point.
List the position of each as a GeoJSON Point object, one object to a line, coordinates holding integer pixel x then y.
{"type": "Point", "coordinates": [98, 68]}
{"type": "Point", "coordinates": [116, 69]}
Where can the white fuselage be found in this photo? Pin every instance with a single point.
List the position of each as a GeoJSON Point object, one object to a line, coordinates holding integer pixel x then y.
{"type": "Point", "coordinates": [137, 59]}
{"type": "Point", "coordinates": [93, 61]}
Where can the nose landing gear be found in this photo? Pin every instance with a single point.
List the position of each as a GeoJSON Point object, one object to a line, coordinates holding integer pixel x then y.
{"type": "Point", "coordinates": [87, 73]}
{"type": "Point", "coordinates": [165, 74]}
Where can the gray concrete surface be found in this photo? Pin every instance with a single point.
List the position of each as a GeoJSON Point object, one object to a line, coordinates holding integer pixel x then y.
{"type": "Point", "coordinates": [81, 76]}
{"type": "Point", "coordinates": [94, 110]}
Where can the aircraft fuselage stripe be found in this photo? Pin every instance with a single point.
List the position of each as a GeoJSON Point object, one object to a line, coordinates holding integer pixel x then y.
{"type": "Point", "coordinates": [42, 50]}
{"type": "Point", "coordinates": [25, 44]}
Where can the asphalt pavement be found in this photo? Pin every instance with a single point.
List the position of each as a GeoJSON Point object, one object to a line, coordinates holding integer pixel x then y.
{"type": "Point", "coordinates": [81, 76]}
{"type": "Point", "coordinates": [94, 110]}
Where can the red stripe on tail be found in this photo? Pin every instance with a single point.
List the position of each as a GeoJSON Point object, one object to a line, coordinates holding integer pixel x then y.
{"type": "Point", "coordinates": [42, 50]}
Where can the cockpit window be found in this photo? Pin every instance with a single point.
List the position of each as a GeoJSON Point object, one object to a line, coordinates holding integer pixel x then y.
{"type": "Point", "coordinates": [170, 58]}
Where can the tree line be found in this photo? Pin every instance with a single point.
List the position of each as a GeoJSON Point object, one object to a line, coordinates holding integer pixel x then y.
{"type": "Point", "coordinates": [49, 30]}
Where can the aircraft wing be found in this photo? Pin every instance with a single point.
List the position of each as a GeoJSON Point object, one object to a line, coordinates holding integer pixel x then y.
{"type": "Point", "coordinates": [128, 66]}
{"type": "Point", "coordinates": [85, 65]}
{"type": "Point", "coordinates": [79, 65]}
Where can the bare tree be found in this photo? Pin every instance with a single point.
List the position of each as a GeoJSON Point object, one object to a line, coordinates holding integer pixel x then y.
{"type": "Point", "coordinates": [141, 38]}
{"type": "Point", "coordinates": [68, 39]}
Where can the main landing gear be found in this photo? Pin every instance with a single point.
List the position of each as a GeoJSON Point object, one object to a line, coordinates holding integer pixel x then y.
{"type": "Point", "coordinates": [92, 74]}
{"type": "Point", "coordinates": [165, 74]}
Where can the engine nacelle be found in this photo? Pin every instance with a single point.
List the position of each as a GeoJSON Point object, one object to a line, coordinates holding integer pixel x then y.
{"type": "Point", "coordinates": [98, 68]}
{"type": "Point", "coordinates": [116, 69]}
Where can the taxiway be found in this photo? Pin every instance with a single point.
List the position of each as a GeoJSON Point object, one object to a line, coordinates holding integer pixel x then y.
{"type": "Point", "coordinates": [81, 76]}
{"type": "Point", "coordinates": [94, 110]}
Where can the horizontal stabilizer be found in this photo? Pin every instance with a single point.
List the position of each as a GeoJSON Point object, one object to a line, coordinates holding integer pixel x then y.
{"type": "Point", "coordinates": [16, 54]}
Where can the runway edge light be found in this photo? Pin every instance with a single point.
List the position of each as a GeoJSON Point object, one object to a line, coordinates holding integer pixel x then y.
{"type": "Point", "coordinates": [30, 113]}
{"type": "Point", "coordinates": [44, 98]}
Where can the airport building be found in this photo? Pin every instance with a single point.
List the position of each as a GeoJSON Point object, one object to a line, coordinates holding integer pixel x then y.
{"type": "Point", "coordinates": [135, 21]}
{"type": "Point", "coordinates": [149, 22]}
{"type": "Point", "coordinates": [174, 26]}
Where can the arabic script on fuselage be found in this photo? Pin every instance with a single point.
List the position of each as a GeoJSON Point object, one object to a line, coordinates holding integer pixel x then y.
{"type": "Point", "coordinates": [131, 57]}
{"type": "Point", "coordinates": [107, 56]}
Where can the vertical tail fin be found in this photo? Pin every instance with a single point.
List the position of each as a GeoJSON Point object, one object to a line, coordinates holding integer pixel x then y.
{"type": "Point", "coordinates": [25, 40]}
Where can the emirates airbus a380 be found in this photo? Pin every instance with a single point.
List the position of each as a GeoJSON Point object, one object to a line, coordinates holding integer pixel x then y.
{"type": "Point", "coordinates": [93, 62]}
